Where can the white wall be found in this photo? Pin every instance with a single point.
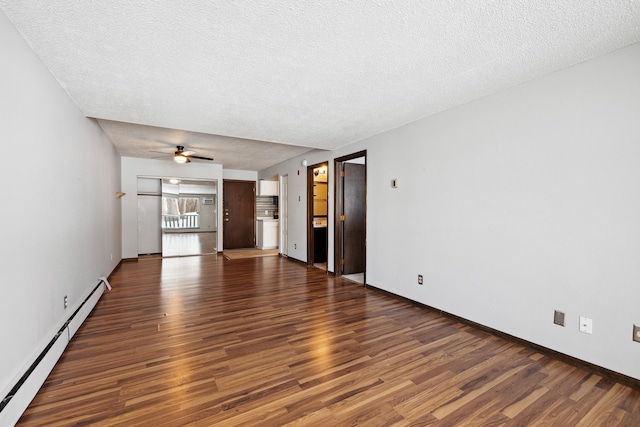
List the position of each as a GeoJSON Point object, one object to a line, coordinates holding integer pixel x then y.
{"type": "Point", "coordinates": [515, 205]}
{"type": "Point", "coordinates": [132, 168]}
{"type": "Point", "coordinates": [60, 218]}
{"type": "Point", "coordinates": [240, 175]}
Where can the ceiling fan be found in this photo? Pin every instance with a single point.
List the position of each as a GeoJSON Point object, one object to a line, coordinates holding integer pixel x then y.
{"type": "Point", "coordinates": [184, 156]}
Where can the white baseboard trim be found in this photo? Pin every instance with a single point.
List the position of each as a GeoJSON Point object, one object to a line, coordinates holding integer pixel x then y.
{"type": "Point", "coordinates": [17, 400]}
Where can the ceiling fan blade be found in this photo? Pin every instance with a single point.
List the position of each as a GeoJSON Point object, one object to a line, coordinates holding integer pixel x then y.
{"type": "Point", "coordinates": [199, 157]}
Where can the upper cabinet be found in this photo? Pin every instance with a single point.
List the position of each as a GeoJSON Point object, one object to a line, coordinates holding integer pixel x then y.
{"type": "Point", "coordinates": [267, 188]}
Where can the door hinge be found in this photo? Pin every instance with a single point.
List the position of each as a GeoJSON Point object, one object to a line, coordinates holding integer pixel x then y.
{"type": "Point", "coordinates": [342, 174]}
{"type": "Point", "coordinates": [341, 217]}
{"type": "Point", "coordinates": [342, 261]}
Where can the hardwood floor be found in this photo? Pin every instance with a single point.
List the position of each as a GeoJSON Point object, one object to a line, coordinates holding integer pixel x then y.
{"type": "Point", "coordinates": [203, 341]}
{"type": "Point", "coordinates": [186, 244]}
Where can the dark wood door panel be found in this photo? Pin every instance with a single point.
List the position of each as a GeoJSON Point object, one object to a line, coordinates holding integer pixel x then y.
{"type": "Point", "coordinates": [354, 218]}
{"type": "Point", "coordinates": [238, 221]}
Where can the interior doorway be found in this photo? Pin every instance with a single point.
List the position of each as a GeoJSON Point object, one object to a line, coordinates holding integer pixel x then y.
{"type": "Point", "coordinates": [177, 216]}
{"type": "Point", "coordinates": [317, 214]}
{"type": "Point", "coordinates": [189, 217]}
{"type": "Point", "coordinates": [350, 216]}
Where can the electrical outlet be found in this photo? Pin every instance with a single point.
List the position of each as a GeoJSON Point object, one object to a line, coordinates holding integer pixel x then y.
{"type": "Point", "coordinates": [420, 280]}
{"type": "Point", "coordinates": [66, 301]}
{"type": "Point", "coordinates": [636, 333]}
{"type": "Point", "coordinates": [586, 325]}
{"type": "Point", "coordinates": [295, 246]}
{"type": "Point", "coordinates": [558, 318]}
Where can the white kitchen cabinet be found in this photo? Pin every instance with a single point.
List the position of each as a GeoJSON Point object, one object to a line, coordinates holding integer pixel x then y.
{"type": "Point", "coordinates": [267, 188]}
{"type": "Point", "coordinates": [267, 234]}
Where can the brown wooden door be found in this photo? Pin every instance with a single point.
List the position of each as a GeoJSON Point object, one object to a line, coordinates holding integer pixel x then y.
{"type": "Point", "coordinates": [353, 229]}
{"type": "Point", "coordinates": [238, 203]}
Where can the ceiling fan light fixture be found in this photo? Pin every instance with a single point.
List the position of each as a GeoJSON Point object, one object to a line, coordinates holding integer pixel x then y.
{"type": "Point", "coordinates": [180, 159]}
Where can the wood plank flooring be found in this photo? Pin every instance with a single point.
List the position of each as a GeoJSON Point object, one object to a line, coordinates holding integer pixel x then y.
{"type": "Point", "coordinates": [204, 341]}
{"type": "Point", "coordinates": [186, 244]}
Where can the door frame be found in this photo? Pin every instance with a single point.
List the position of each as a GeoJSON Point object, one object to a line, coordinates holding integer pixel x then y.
{"type": "Point", "coordinates": [338, 209]}
{"type": "Point", "coordinates": [284, 215]}
{"type": "Point", "coordinates": [310, 231]}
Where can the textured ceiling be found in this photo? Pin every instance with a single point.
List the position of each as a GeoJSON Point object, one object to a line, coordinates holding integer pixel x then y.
{"type": "Point", "coordinates": [160, 143]}
{"type": "Point", "coordinates": [317, 74]}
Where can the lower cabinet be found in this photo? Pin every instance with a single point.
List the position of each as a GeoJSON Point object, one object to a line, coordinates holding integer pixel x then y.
{"type": "Point", "coordinates": [267, 234]}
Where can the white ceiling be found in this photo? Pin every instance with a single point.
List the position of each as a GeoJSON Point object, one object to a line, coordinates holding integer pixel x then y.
{"type": "Point", "coordinates": [224, 78]}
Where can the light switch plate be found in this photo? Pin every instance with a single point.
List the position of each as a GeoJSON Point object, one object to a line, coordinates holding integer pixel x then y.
{"type": "Point", "coordinates": [636, 333]}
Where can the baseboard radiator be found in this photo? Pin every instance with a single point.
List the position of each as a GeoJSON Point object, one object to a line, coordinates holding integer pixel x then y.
{"type": "Point", "coordinates": [17, 400]}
